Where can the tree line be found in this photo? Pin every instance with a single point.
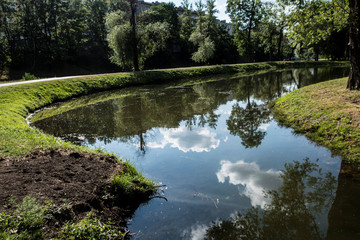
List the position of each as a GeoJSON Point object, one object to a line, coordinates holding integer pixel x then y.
{"type": "Point", "coordinates": [38, 35]}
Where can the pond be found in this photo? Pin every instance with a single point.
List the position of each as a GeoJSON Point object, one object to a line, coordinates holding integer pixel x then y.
{"type": "Point", "coordinates": [224, 160]}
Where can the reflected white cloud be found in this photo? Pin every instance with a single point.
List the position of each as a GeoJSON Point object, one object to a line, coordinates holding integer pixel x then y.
{"type": "Point", "coordinates": [264, 127]}
{"type": "Point", "coordinates": [196, 140]}
{"type": "Point", "coordinates": [196, 232]}
{"type": "Point", "coordinates": [249, 175]}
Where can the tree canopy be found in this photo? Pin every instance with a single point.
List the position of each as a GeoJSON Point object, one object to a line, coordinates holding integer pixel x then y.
{"type": "Point", "coordinates": [40, 36]}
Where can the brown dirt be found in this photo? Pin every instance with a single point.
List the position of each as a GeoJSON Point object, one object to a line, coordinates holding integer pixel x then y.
{"type": "Point", "coordinates": [55, 175]}
{"type": "Point", "coordinates": [80, 179]}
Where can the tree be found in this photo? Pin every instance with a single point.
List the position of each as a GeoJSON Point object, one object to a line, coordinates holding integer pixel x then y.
{"type": "Point", "coordinates": [132, 41]}
{"type": "Point", "coordinates": [312, 22]}
{"type": "Point", "coordinates": [164, 13]}
{"type": "Point", "coordinates": [200, 37]}
{"type": "Point", "coordinates": [270, 31]}
{"type": "Point", "coordinates": [318, 19]}
{"type": "Point", "coordinates": [245, 16]}
{"type": "Point", "coordinates": [187, 22]}
{"type": "Point", "coordinates": [354, 45]}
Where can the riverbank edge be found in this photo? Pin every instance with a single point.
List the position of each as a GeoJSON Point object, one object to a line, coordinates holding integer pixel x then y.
{"type": "Point", "coordinates": [17, 102]}
{"type": "Point", "coordinates": [327, 114]}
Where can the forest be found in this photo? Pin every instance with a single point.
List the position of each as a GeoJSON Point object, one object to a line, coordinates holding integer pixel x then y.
{"type": "Point", "coordinates": [47, 37]}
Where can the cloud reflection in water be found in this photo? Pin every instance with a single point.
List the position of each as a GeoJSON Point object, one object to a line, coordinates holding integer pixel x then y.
{"type": "Point", "coordinates": [249, 175]}
{"type": "Point", "coordinates": [195, 140]}
{"type": "Point", "coordinates": [195, 232]}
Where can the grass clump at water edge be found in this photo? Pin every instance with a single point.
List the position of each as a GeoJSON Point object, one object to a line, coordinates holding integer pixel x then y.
{"type": "Point", "coordinates": [131, 181]}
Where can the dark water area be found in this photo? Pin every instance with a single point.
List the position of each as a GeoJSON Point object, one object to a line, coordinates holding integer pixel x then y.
{"type": "Point", "coordinates": [230, 170]}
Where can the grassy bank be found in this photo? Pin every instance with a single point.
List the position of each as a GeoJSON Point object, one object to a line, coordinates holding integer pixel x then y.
{"type": "Point", "coordinates": [327, 113]}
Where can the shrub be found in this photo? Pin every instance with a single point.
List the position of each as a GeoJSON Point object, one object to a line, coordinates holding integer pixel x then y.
{"type": "Point", "coordinates": [28, 76]}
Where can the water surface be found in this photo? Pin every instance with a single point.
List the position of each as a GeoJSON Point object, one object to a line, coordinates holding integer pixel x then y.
{"type": "Point", "coordinates": [218, 150]}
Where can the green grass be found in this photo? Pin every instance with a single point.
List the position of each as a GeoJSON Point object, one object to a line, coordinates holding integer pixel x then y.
{"type": "Point", "coordinates": [26, 221]}
{"type": "Point", "coordinates": [327, 113]}
{"type": "Point", "coordinates": [131, 181]}
{"type": "Point", "coordinates": [31, 220]}
{"type": "Point", "coordinates": [90, 227]}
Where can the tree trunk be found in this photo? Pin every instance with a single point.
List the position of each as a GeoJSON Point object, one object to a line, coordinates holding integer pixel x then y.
{"type": "Point", "coordinates": [354, 45]}
{"type": "Point", "coordinates": [279, 55]}
{"type": "Point", "coordinates": [133, 35]}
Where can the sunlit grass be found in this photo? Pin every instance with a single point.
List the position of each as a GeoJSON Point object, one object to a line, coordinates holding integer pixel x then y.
{"type": "Point", "coordinates": [327, 113]}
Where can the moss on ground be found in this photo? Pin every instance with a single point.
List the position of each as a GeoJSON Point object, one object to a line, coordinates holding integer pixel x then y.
{"type": "Point", "coordinates": [327, 113]}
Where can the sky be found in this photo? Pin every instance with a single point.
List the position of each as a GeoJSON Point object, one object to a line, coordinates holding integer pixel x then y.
{"type": "Point", "coordinates": [220, 5]}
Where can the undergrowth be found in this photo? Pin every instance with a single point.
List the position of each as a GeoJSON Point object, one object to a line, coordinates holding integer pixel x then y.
{"type": "Point", "coordinates": [31, 220]}
{"type": "Point", "coordinates": [26, 221]}
{"type": "Point", "coordinates": [91, 227]}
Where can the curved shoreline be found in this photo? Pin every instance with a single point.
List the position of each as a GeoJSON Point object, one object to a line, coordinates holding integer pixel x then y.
{"type": "Point", "coordinates": [18, 141]}
{"type": "Point", "coordinates": [327, 113]}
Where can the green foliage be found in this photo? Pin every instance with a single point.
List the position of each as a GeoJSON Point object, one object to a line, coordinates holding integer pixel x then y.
{"type": "Point", "coordinates": [201, 35]}
{"type": "Point", "coordinates": [311, 24]}
{"type": "Point", "coordinates": [245, 16]}
{"type": "Point", "coordinates": [26, 222]}
{"type": "Point", "coordinates": [206, 47]}
{"type": "Point", "coordinates": [187, 22]}
{"type": "Point", "coordinates": [128, 46]}
{"type": "Point", "coordinates": [90, 228]}
{"type": "Point", "coordinates": [28, 76]}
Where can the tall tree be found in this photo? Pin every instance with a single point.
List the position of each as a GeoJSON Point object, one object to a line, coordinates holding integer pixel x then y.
{"type": "Point", "coordinates": [164, 13]}
{"type": "Point", "coordinates": [271, 31]}
{"type": "Point", "coordinates": [200, 37]}
{"type": "Point", "coordinates": [187, 22]}
{"type": "Point", "coordinates": [320, 18]}
{"type": "Point", "coordinates": [245, 16]}
{"type": "Point", "coordinates": [132, 41]}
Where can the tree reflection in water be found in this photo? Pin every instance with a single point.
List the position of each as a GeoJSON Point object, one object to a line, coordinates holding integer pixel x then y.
{"type": "Point", "coordinates": [291, 213]}
{"type": "Point", "coordinates": [245, 122]}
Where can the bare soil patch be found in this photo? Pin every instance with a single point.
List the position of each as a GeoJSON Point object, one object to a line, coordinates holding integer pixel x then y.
{"type": "Point", "coordinates": [55, 175]}
{"type": "Point", "coordinates": [78, 179]}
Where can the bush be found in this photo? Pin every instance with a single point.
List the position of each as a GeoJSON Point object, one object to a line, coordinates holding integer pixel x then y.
{"type": "Point", "coordinates": [28, 76]}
